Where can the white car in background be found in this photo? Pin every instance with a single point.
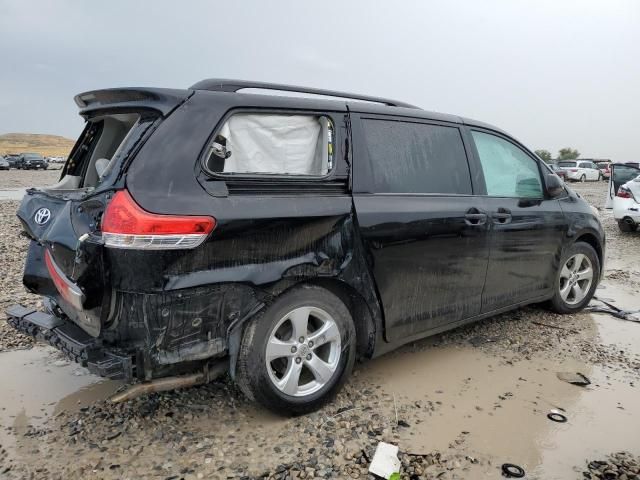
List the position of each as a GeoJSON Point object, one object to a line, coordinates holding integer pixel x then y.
{"type": "Point", "coordinates": [624, 195]}
{"type": "Point", "coordinates": [580, 170]}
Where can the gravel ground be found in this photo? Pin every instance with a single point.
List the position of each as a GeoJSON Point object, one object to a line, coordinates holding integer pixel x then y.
{"type": "Point", "coordinates": [214, 432]}
{"type": "Point", "coordinates": [13, 248]}
{"type": "Point", "coordinates": [621, 465]}
{"type": "Point", "coordinates": [29, 178]}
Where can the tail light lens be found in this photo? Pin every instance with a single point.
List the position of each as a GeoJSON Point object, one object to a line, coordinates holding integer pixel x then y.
{"type": "Point", "coordinates": [126, 225]}
{"type": "Point", "coordinates": [574, 170]}
{"type": "Point", "coordinates": [624, 193]}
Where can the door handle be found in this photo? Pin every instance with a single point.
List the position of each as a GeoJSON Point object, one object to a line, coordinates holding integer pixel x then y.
{"type": "Point", "coordinates": [502, 216]}
{"type": "Point", "coordinates": [475, 217]}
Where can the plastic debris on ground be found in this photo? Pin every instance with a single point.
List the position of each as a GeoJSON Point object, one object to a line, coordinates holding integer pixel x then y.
{"type": "Point", "coordinates": [385, 462]}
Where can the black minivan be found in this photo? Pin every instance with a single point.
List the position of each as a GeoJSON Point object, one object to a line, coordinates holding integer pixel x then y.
{"type": "Point", "coordinates": [278, 238]}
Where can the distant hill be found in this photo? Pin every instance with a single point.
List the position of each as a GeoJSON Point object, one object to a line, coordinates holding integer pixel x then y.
{"type": "Point", "coordinates": [47, 145]}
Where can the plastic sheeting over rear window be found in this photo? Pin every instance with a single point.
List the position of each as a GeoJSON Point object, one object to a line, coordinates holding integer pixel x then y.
{"type": "Point", "coordinates": [250, 143]}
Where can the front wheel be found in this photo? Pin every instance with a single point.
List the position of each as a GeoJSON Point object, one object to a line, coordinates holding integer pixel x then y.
{"type": "Point", "coordinates": [577, 278]}
{"type": "Point", "coordinates": [583, 178]}
{"type": "Point", "coordinates": [296, 353]}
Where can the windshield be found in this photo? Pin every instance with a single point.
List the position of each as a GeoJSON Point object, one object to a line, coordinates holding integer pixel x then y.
{"type": "Point", "coordinates": [566, 164]}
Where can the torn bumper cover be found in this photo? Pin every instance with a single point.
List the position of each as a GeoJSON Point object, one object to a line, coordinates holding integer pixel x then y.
{"type": "Point", "coordinates": [72, 341]}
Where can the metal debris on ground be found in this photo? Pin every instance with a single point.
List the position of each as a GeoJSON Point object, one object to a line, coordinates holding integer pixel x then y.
{"type": "Point", "coordinates": [576, 378]}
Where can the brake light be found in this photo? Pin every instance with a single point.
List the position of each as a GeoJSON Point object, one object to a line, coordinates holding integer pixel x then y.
{"type": "Point", "coordinates": [573, 170]}
{"type": "Point", "coordinates": [126, 225]}
{"type": "Point", "coordinates": [624, 193]}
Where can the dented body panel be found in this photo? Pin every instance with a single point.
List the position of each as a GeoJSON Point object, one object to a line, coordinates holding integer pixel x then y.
{"type": "Point", "coordinates": [406, 266]}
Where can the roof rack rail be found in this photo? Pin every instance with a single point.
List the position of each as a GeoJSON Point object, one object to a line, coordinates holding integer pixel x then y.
{"type": "Point", "coordinates": [229, 85]}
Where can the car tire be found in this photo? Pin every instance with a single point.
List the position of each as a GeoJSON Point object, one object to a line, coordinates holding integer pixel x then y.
{"type": "Point", "coordinates": [626, 227]}
{"type": "Point", "coordinates": [583, 178]}
{"type": "Point", "coordinates": [600, 177]}
{"type": "Point", "coordinates": [293, 381]}
{"type": "Point", "coordinates": [573, 272]}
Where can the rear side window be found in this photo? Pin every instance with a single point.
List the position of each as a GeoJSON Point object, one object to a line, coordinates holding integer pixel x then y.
{"type": "Point", "coordinates": [416, 158]}
{"type": "Point", "coordinates": [277, 144]}
{"type": "Point", "coordinates": [508, 170]}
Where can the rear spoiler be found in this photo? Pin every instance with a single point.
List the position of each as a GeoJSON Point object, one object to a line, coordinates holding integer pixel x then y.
{"type": "Point", "coordinates": [163, 100]}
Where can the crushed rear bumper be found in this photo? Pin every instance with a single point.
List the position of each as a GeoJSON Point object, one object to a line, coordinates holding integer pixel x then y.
{"type": "Point", "coordinates": [74, 342]}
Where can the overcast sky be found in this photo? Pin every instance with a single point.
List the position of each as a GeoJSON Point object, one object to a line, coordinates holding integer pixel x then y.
{"type": "Point", "coordinates": [553, 73]}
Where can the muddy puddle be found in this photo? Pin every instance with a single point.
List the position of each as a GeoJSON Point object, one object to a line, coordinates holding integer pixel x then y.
{"type": "Point", "coordinates": [464, 400]}
{"type": "Point", "coordinates": [38, 383]}
{"type": "Point", "coordinates": [487, 407]}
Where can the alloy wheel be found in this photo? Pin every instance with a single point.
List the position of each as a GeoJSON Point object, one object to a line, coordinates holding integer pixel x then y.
{"type": "Point", "coordinates": [303, 351]}
{"type": "Point", "coordinates": [576, 277]}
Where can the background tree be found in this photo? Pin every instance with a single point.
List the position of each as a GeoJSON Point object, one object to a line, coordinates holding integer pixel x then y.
{"type": "Point", "coordinates": [544, 155]}
{"type": "Point", "coordinates": [568, 154]}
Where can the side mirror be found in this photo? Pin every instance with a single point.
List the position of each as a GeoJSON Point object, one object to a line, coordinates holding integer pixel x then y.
{"type": "Point", "coordinates": [553, 185]}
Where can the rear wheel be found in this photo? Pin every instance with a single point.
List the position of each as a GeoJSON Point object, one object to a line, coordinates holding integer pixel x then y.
{"type": "Point", "coordinates": [577, 278]}
{"type": "Point", "coordinates": [296, 354]}
{"type": "Point", "coordinates": [600, 177]}
{"type": "Point", "coordinates": [583, 178]}
{"type": "Point", "coordinates": [626, 226]}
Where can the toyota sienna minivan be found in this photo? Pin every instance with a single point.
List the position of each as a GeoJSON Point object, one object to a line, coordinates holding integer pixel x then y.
{"type": "Point", "coordinates": [222, 228]}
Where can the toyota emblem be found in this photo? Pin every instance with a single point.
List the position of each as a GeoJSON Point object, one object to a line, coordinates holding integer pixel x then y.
{"type": "Point", "coordinates": [42, 216]}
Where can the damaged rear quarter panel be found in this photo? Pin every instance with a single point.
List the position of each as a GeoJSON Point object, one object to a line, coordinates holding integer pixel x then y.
{"type": "Point", "coordinates": [178, 299]}
{"type": "Point", "coordinates": [180, 304]}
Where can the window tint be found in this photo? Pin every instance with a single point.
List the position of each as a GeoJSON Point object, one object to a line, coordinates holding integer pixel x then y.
{"type": "Point", "coordinates": [283, 144]}
{"type": "Point", "coordinates": [508, 171]}
{"type": "Point", "coordinates": [566, 164]}
{"type": "Point", "coordinates": [416, 158]}
{"type": "Point", "coordinates": [624, 173]}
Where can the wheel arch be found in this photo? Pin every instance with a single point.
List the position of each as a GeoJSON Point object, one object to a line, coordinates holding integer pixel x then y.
{"type": "Point", "coordinates": [591, 239]}
{"type": "Point", "coordinates": [363, 318]}
{"type": "Point", "coordinates": [366, 322]}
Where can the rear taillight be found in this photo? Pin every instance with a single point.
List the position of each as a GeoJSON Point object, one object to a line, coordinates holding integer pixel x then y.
{"type": "Point", "coordinates": [68, 290]}
{"type": "Point", "coordinates": [624, 193]}
{"type": "Point", "coordinates": [126, 225]}
{"type": "Point", "coordinates": [573, 170]}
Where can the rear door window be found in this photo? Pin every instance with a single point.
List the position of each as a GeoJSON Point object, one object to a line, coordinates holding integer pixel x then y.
{"type": "Point", "coordinates": [508, 170]}
{"type": "Point", "coordinates": [272, 144]}
{"type": "Point", "coordinates": [410, 157]}
{"type": "Point", "coordinates": [624, 173]}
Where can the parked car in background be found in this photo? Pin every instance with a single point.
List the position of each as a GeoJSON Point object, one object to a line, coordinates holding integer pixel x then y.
{"type": "Point", "coordinates": [267, 247]}
{"type": "Point", "coordinates": [32, 161]}
{"type": "Point", "coordinates": [558, 171]}
{"type": "Point", "coordinates": [624, 195]}
{"type": "Point", "coordinates": [13, 159]}
{"type": "Point", "coordinates": [605, 169]}
{"type": "Point", "coordinates": [56, 159]}
{"type": "Point", "coordinates": [580, 170]}
{"type": "Point", "coordinates": [4, 164]}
